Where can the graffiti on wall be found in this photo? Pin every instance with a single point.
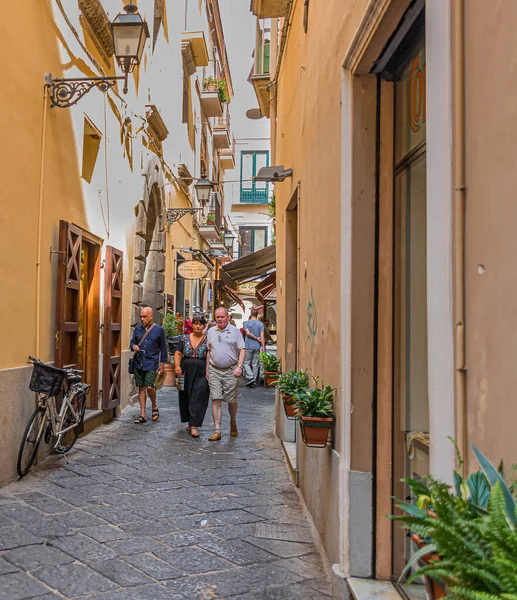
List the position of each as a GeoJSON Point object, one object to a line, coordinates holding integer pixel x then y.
{"type": "Point", "coordinates": [312, 320]}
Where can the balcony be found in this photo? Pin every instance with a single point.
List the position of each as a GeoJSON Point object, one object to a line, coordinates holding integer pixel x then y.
{"type": "Point", "coordinates": [211, 103]}
{"type": "Point", "coordinates": [227, 157]}
{"type": "Point", "coordinates": [211, 225]}
{"type": "Point", "coordinates": [193, 42]}
{"type": "Point", "coordinates": [269, 8]}
{"type": "Point", "coordinates": [254, 196]}
{"type": "Point", "coordinates": [221, 130]}
{"type": "Point", "coordinates": [260, 73]}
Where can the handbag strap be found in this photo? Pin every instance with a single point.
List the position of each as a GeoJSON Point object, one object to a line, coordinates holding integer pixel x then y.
{"type": "Point", "coordinates": [145, 334]}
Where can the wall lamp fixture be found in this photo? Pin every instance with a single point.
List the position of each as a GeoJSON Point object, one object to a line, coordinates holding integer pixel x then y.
{"type": "Point", "coordinates": [203, 188]}
{"type": "Point", "coordinates": [129, 32]}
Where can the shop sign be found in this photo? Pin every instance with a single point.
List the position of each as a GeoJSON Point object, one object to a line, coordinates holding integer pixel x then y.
{"type": "Point", "coordinates": [247, 288]}
{"type": "Point", "coordinates": [192, 269]}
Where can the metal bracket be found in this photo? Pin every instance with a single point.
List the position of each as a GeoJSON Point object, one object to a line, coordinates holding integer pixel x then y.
{"type": "Point", "coordinates": [67, 92]}
{"type": "Point", "coordinates": [52, 251]}
{"type": "Point", "coordinates": [175, 214]}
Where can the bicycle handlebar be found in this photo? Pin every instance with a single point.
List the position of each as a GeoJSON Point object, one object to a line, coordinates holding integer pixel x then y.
{"type": "Point", "coordinates": [70, 370]}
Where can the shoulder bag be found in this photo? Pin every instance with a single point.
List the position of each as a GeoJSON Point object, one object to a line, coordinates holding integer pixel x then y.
{"type": "Point", "coordinates": [131, 364]}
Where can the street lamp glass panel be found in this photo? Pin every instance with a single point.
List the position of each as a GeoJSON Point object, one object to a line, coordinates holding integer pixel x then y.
{"type": "Point", "coordinates": [228, 240]}
{"type": "Point", "coordinates": [203, 190]}
{"type": "Point", "coordinates": [130, 33]}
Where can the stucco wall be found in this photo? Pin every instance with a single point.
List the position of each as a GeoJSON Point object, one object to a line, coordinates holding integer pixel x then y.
{"type": "Point", "coordinates": [309, 141]}
{"type": "Point", "coordinates": [491, 223]}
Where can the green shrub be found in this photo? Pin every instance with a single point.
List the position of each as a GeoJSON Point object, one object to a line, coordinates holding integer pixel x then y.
{"type": "Point", "coordinates": [270, 363]}
{"type": "Point", "coordinates": [471, 528]}
{"type": "Point", "coordinates": [170, 324]}
{"type": "Point", "coordinates": [291, 382]}
{"type": "Point", "coordinates": [317, 402]}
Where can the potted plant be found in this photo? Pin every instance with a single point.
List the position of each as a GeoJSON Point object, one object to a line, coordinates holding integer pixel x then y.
{"type": "Point", "coordinates": [466, 535]}
{"type": "Point", "coordinates": [271, 365]}
{"type": "Point", "coordinates": [214, 84]}
{"type": "Point", "coordinates": [170, 325]}
{"type": "Point", "coordinates": [315, 410]}
{"type": "Point", "coordinates": [210, 219]}
{"type": "Point", "coordinates": [289, 384]}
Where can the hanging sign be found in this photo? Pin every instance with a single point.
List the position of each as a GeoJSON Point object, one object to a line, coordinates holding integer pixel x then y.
{"type": "Point", "coordinates": [192, 269]}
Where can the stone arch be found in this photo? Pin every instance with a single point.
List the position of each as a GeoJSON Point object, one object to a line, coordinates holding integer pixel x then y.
{"type": "Point", "coordinates": [150, 244]}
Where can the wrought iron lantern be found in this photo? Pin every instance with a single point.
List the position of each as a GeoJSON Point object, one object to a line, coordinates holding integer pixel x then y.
{"type": "Point", "coordinates": [130, 33]}
{"type": "Point", "coordinates": [203, 190]}
{"type": "Point", "coordinates": [228, 239]}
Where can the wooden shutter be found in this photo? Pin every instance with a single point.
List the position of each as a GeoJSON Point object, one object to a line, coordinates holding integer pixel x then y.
{"type": "Point", "coordinates": [112, 328]}
{"type": "Point", "coordinates": [68, 295]}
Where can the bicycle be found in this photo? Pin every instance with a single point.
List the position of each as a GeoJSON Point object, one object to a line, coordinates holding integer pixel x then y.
{"type": "Point", "coordinates": [66, 425]}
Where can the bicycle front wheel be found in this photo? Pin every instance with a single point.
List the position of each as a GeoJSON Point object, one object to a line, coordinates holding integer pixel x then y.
{"type": "Point", "coordinates": [31, 440]}
{"type": "Point", "coordinates": [68, 439]}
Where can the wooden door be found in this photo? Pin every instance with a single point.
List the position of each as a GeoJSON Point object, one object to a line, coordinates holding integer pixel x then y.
{"type": "Point", "coordinates": [68, 296]}
{"type": "Point", "coordinates": [111, 374]}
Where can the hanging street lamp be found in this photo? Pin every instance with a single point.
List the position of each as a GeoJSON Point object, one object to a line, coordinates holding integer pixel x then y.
{"type": "Point", "coordinates": [228, 239]}
{"type": "Point", "coordinates": [130, 33]}
{"type": "Point", "coordinates": [203, 189]}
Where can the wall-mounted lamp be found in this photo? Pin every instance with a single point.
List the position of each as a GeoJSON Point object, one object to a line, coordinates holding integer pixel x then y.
{"type": "Point", "coordinates": [228, 239]}
{"type": "Point", "coordinates": [130, 33]}
{"type": "Point", "coordinates": [203, 188]}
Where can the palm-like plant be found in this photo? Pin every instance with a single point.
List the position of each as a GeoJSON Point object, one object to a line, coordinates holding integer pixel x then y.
{"type": "Point", "coordinates": [472, 530]}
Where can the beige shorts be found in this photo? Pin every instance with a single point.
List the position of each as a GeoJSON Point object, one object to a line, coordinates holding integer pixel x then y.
{"type": "Point", "coordinates": [223, 384]}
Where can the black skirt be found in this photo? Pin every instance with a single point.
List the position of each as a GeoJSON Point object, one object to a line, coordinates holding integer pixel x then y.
{"type": "Point", "coordinates": [194, 398]}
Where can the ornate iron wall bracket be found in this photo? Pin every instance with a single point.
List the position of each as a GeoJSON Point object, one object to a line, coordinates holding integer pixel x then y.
{"type": "Point", "coordinates": [175, 214]}
{"type": "Point", "coordinates": [67, 92]}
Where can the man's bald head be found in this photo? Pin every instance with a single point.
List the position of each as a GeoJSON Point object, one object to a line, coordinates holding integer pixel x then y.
{"type": "Point", "coordinates": [146, 316]}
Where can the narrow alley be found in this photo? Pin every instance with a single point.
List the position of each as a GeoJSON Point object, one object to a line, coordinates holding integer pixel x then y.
{"type": "Point", "coordinates": [148, 513]}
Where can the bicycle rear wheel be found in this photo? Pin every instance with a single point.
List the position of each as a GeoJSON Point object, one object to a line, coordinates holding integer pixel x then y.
{"type": "Point", "coordinates": [31, 440]}
{"type": "Point", "coordinates": [68, 439]}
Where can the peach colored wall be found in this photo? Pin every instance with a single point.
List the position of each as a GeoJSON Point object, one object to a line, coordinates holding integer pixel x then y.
{"type": "Point", "coordinates": [21, 99]}
{"type": "Point", "coordinates": [309, 141]}
{"type": "Point", "coordinates": [491, 225]}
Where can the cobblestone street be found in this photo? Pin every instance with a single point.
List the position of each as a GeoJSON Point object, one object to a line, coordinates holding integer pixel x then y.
{"type": "Point", "coordinates": [148, 513]}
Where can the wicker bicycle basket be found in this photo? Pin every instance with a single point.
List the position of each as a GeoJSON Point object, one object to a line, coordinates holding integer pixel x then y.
{"type": "Point", "coordinates": [46, 380]}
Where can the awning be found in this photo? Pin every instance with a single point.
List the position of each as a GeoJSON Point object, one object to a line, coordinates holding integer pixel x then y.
{"type": "Point", "coordinates": [252, 266]}
{"type": "Point", "coordinates": [232, 295]}
{"type": "Point", "coordinates": [266, 289]}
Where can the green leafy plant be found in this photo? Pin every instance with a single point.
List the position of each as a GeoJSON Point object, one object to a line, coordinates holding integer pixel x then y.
{"type": "Point", "coordinates": [170, 324]}
{"type": "Point", "coordinates": [292, 382]}
{"type": "Point", "coordinates": [471, 528]}
{"type": "Point", "coordinates": [210, 219]}
{"type": "Point", "coordinates": [220, 84]}
{"type": "Point", "coordinates": [270, 363]}
{"type": "Point", "coordinates": [317, 402]}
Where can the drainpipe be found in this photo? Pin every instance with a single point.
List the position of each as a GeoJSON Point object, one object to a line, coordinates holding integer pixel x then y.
{"type": "Point", "coordinates": [459, 226]}
{"type": "Point", "coordinates": [272, 106]}
{"type": "Point", "coordinates": [40, 216]}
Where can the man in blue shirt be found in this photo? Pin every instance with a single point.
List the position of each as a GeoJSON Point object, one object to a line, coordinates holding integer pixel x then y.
{"type": "Point", "coordinates": [255, 342]}
{"type": "Point", "coordinates": [150, 358]}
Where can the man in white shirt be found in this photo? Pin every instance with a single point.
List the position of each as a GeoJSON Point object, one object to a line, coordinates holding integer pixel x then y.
{"type": "Point", "coordinates": [225, 359]}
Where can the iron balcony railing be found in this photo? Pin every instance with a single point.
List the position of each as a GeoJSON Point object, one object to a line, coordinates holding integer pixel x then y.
{"type": "Point", "coordinates": [254, 196]}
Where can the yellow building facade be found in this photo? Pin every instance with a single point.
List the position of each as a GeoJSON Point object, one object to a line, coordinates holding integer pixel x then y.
{"type": "Point", "coordinates": [397, 202]}
{"type": "Point", "coordinates": [90, 192]}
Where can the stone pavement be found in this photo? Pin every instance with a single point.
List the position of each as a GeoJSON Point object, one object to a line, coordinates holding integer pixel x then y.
{"type": "Point", "coordinates": [149, 513]}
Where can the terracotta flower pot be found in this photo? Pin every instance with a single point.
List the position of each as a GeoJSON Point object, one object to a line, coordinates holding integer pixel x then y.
{"type": "Point", "coordinates": [434, 589]}
{"type": "Point", "coordinates": [271, 378]}
{"type": "Point", "coordinates": [315, 430]}
{"type": "Point", "coordinates": [169, 375]}
{"type": "Point", "coordinates": [211, 87]}
{"type": "Point", "coordinates": [289, 408]}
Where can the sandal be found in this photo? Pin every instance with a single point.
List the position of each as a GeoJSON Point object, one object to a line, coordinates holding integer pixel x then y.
{"type": "Point", "coordinates": [140, 420]}
{"type": "Point", "coordinates": [156, 414]}
{"type": "Point", "coordinates": [194, 432]}
{"type": "Point", "coordinates": [187, 428]}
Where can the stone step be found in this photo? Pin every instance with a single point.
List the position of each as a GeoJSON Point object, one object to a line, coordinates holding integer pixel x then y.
{"type": "Point", "coordinates": [372, 589]}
